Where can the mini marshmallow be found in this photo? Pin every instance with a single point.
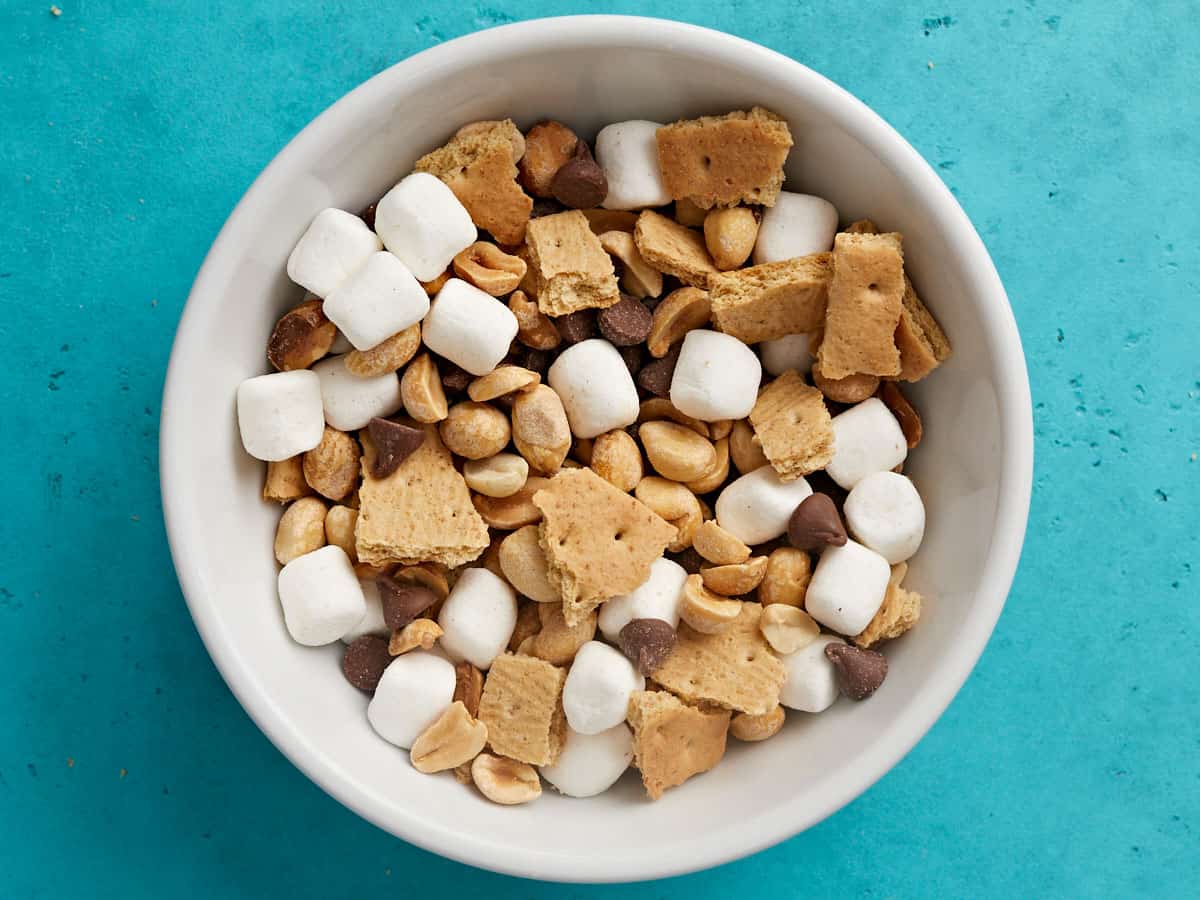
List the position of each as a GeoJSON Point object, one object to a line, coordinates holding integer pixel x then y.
{"type": "Point", "coordinates": [321, 597]}
{"type": "Point", "coordinates": [716, 377]}
{"type": "Point", "coordinates": [478, 618]}
{"type": "Point", "coordinates": [847, 587]}
{"type": "Point", "coordinates": [335, 246]}
{"type": "Point", "coordinates": [280, 415]}
{"type": "Point", "coordinates": [595, 387]}
{"type": "Point", "coordinates": [468, 327]}
{"type": "Point", "coordinates": [787, 353]}
{"type": "Point", "coordinates": [811, 684]}
{"type": "Point", "coordinates": [589, 764]}
{"type": "Point", "coordinates": [597, 690]}
{"type": "Point", "coordinates": [867, 439]}
{"type": "Point", "coordinates": [885, 512]}
{"type": "Point", "coordinates": [797, 225]}
{"type": "Point", "coordinates": [658, 597]}
{"type": "Point", "coordinates": [372, 620]}
{"type": "Point", "coordinates": [628, 154]}
{"type": "Point", "coordinates": [379, 300]}
{"type": "Point", "coordinates": [756, 507]}
{"type": "Point", "coordinates": [423, 223]}
{"type": "Point", "coordinates": [351, 402]}
{"type": "Point", "coordinates": [415, 689]}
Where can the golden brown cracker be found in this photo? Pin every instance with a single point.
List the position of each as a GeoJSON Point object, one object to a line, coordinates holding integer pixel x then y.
{"type": "Point", "coordinates": [900, 611]}
{"type": "Point", "coordinates": [865, 301]}
{"type": "Point", "coordinates": [599, 541]}
{"type": "Point", "coordinates": [862, 226]}
{"type": "Point", "coordinates": [922, 344]}
{"type": "Point", "coordinates": [422, 512]}
{"type": "Point", "coordinates": [571, 268]}
{"type": "Point", "coordinates": [673, 741]}
{"type": "Point", "coordinates": [793, 426]}
{"type": "Point", "coordinates": [673, 249]}
{"type": "Point", "coordinates": [734, 669]}
{"type": "Point", "coordinates": [522, 709]}
{"type": "Point", "coordinates": [478, 166]}
{"type": "Point", "coordinates": [725, 160]}
{"type": "Point", "coordinates": [764, 302]}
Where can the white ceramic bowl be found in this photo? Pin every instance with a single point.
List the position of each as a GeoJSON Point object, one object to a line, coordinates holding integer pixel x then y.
{"type": "Point", "coordinates": [973, 467]}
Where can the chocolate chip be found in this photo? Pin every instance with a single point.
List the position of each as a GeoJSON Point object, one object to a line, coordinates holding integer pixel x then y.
{"type": "Point", "coordinates": [859, 672]}
{"type": "Point", "coordinates": [394, 443]}
{"type": "Point", "coordinates": [633, 357]}
{"type": "Point", "coordinates": [533, 360]}
{"type": "Point", "coordinates": [364, 661]}
{"type": "Point", "coordinates": [656, 376]}
{"type": "Point", "coordinates": [689, 559]}
{"type": "Point", "coordinates": [403, 602]}
{"type": "Point", "coordinates": [577, 326]}
{"type": "Point", "coordinates": [816, 524]}
{"type": "Point", "coordinates": [368, 216]}
{"type": "Point", "coordinates": [580, 182]}
{"type": "Point", "coordinates": [647, 643]}
{"type": "Point", "coordinates": [543, 207]}
{"type": "Point", "coordinates": [454, 378]}
{"type": "Point", "coordinates": [625, 323]}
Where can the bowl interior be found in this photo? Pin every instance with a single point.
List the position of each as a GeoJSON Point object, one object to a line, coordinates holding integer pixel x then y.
{"type": "Point", "coordinates": [589, 75]}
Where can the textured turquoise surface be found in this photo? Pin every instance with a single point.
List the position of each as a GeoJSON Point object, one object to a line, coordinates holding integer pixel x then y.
{"type": "Point", "coordinates": [1068, 765]}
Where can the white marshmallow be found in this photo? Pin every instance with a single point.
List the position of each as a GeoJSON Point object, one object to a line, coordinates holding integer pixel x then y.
{"type": "Point", "coordinates": [469, 327]}
{"type": "Point", "coordinates": [596, 693]}
{"type": "Point", "coordinates": [717, 377]}
{"type": "Point", "coordinates": [351, 402]}
{"type": "Point", "coordinates": [658, 597]}
{"type": "Point", "coordinates": [321, 597]}
{"type": "Point", "coordinates": [279, 415]}
{"type": "Point", "coordinates": [628, 154]}
{"type": "Point", "coordinates": [423, 223]}
{"type": "Point", "coordinates": [335, 246]}
{"type": "Point", "coordinates": [885, 512]}
{"type": "Point", "coordinates": [797, 225]}
{"type": "Point", "coordinates": [866, 439]}
{"type": "Point", "coordinates": [786, 353]}
{"type": "Point", "coordinates": [811, 684]}
{"type": "Point", "coordinates": [847, 587]}
{"type": "Point", "coordinates": [478, 618]}
{"type": "Point", "coordinates": [595, 387]}
{"type": "Point", "coordinates": [589, 764]}
{"type": "Point", "coordinates": [414, 690]}
{"type": "Point", "coordinates": [756, 507]}
{"type": "Point", "coordinates": [372, 620]}
{"type": "Point", "coordinates": [379, 300]}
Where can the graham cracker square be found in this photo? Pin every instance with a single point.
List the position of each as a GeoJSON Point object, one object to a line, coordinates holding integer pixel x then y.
{"type": "Point", "coordinates": [793, 426]}
{"type": "Point", "coordinates": [673, 248]}
{"type": "Point", "coordinates": [571, 269]}
{"type": "Point", "coordinates": [768, 301]}
{"type": "Point", "coordinates": [522, 709]}
{"type": "Point", "coordinates": [922, 344]}
{"type": "Point", "coordinates": [673, 741]}
{"type": "Point", "coordinates": [865, 302]}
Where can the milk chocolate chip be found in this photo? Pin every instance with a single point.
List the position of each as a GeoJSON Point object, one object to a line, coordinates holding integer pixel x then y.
{"type": "Point", "coordinates": [647, 643]}
{"type": "Point", "coordinates": [394, 443]}
{"type": "Point", "coordinates": [580, 183]}
{"type": "Point", "coordinates": [577, 326]}
{"type": "Point", "coordinates": [816, 524]}
{"type": "Point", "coordinates": [859, 672]}
{"type": "Point", "coordinates": [403, 602]}
{"type": "Point", "coordinates": [364, 661]}
{"type": "Point", "coordinates": [625, 323]}
{"type": "Point", "coordinates": [656, 377]}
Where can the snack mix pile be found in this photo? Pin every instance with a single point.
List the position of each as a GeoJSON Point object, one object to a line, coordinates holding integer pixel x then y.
{"type": "Point", "coordinates": [594, 461]}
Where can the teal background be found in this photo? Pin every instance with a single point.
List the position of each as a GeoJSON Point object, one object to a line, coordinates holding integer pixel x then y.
{"type": "Point", "coordinates": [1070, 763]}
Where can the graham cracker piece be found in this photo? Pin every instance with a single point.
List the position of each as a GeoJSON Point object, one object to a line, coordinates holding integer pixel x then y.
{"type": "Point", "coordinates": [422, 512]}
{"type": "Point", "coordinates": [673, 248]}
{"type": "Point", "coordinates": [673, 741]}
{"type": "Point", "coordinates": [725, 160]}
{"type": "Point", "coordinates": [768, 301]}
{"type": "Point", "coordinates": [793, 426]}
{"type": "Point", "coordinates": [599, 541]}
{"type": "Point", "coordinates": [522, 709]}
{"type": "Point", "coordinates": [900, 611]}
{"type": "Point", "coordinates": [922, 344]}
{"type": "Point", "coordinates": [865, 301]}
{"type": "Point", "coordinates": [571, 268]}
{"type": "Point", "coordinates": [735, 669]}
{"type": "Point", "coordinates": [478, 166]}
{"type": "Point", "coordinates": [862, 226]}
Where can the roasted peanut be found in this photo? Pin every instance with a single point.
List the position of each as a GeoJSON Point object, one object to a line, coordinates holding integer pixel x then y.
{"type": "Point", "coordinates": [468, 686]}
{"type": "Point", "coordinates": [534, 328]}
{"type": "Point", "coordinates": [582, 450]}
{"type": "Point", "coordinates": [285, 480]}
{"type": "Point", "coordinates": [682, 311]}
{"type": "Point", "coordinates": [719, 429]}
{"type": "Point", "coordinates": [489, 268]}
{"type": "Point", "coordinates": [426, 575]}
{"type": "Point", "coordinates": [454, 738]}
{"type": "Point", "coordinates": [905, 413]}
{"type": "Point", "coordinates": [540, 430]}
{"type": "Point", "coordinates": [557, 642]}
{"type": "Point", "coordinates": [689, 214]}
{"type": "Point", "coordinates": [524, 565]}
{"type": "Point", "coordinates": [744, 448]}
{"type": "Point", "coordinates": [432, 287]}
{"type": "Point", "coordinates": [656, 408]}
{"type": "Point", "coordinates": [421, 390]}
{"type": "Point", "coordinates": [504, 780]}
{"type": "Point", "coordinates": [677, 452]}
{"type": "Point", "coordinates": [475, 430]}
{"type": "Point", "coordinates": [529, 623]}
{"type": "Point", "coordinates": [333, 466]}
{"type": "Point", "coordinates": [716, 474]}
{"type": "Point", "coordinates": [604, 220]}
{"type": "Point", "coordinates": [718, 546]}
{"type": "Point", "coordinates": [513, 511]}
{"type": "Point", "coordinates": [548, 147]}
{"type": "Point", "coordinates": [787, 628]}
{"type": "Point", "coordinates": [301, 530]}
{"type": "Point", "coordinates": [500, 381]}
{"type": "Point", "coordinates": [501, 475]}
{"type": "Point", "coordinates": [686, 527]}
{"type": "Point", "coordinates": [669, 499]}
{"type": "Point", "coordinates": [729, 235]}
{"type": "Point", "coordinates": [735, 580]}
{"type": "Point", "coordinates": [786, 579]}
{"type": "Point", "coordinates": [339, 529]}
{"type": "Point", "coordinates": [387, 356]}
{"type": "Point", "coordinates": [301, 337]}
{"type": "Point", "coordinates": [638, 277]}
{"type": "Point", "coordinates": [615, 457]}
{"type": "Point", "coordinates": [746, 727]}
{"type": "Point", "coordinates": [705, 611]}
{"type": "Point", "coordinates": [421, 633]}
{"type": "Point", "coordinates": [851, 389]}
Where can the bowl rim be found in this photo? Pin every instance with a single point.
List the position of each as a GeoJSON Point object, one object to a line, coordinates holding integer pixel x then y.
{"type": "Point", "coordinates": [1012, 506]}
